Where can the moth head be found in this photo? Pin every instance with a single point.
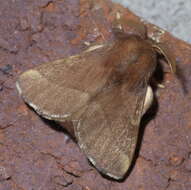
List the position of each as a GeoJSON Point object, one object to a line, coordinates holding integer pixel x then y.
{"type": "Point", "coordinates": [122, 28]}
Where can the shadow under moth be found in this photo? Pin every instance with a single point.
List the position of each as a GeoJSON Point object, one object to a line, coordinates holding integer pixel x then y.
{"type": "Point", "coordinates": [104, 91]}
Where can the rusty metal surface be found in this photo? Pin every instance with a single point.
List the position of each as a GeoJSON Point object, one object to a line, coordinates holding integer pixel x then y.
{"type": "Point", "coordinates": [36, 154]}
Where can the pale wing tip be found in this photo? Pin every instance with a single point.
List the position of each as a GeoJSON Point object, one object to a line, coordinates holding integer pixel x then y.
{"type": "Point", "coordinates": [21, 78]}
{"type": "Point", "coordinates": [20, 91]}
{"type": "Point", "coordinates": [115, 174]}
{"type": "Point", "coordinates": [18, 88]}
{"type": "Point", "coordinates": [21, 86]}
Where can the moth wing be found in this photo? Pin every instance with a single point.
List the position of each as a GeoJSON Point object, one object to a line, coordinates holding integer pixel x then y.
{"type": "Point", "coordinates": [108, 130]}
{"type": "Point", "coordinates": [58, 89]}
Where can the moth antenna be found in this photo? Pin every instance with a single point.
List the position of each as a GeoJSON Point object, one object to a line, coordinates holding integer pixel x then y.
{"type": "Point", "coordinates": [164, 50]}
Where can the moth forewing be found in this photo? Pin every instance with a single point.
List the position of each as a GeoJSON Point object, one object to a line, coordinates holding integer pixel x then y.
{"type": "Point", "coordinates": [48, 98]}
{"type": "Point", "coordinates": [57, 90]}
{"type": "Point", "coordinates": [111, 144]}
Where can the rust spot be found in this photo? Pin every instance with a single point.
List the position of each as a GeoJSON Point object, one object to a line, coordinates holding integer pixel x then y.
{"type": "Point", "coordinates": [50, 7]}
{"type": "Point", "coordinates": [73, 168]}
{"type": "Point", "coordinates": [176, 160]}
{"type": "Point", "coordinates": [23, 109]}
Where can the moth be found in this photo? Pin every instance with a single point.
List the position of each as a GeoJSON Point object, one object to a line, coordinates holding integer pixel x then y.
{"type": "Point", "coordinates": [103, 91]}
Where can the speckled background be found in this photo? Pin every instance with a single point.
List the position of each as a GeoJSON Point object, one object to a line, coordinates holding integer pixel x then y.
{"type": "Point", "coordinates": [36, 154]}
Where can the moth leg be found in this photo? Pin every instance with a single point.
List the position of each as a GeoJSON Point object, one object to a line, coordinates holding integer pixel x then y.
{"type": "Point", "coordinates": [160, 85]}
{"type": "Point", "coordinates": [156, 83]}
{"type": "Point", "coordinates": [148, 99]}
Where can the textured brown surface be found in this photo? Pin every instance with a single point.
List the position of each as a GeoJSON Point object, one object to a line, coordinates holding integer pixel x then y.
{"type": "Point", "coordinates": [36, 154]}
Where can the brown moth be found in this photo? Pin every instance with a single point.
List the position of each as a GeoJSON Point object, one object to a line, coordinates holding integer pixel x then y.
{"type": "Point", "coordinates": [104, 92]}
